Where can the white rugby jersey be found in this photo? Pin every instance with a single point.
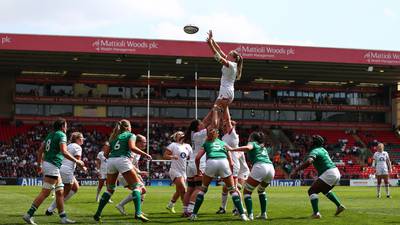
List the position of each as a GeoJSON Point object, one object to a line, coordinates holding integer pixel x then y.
{"type": "Point", "coordinates": [198, 139]}
{"type": "Point", "coordinates": [75, 150]}
{"type": "Point", "coordinates": [228, 75]}
{"type": "Point", "coordinates": [232, 139]}
{"type": "Point", "coordinates": [380, 159]}
{"type": "Point", "coordinates": [182, 151]}
{"type": "Point", "coordinates": [103, 162]}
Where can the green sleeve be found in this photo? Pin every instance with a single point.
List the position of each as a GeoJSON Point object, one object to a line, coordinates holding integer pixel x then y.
{"type": "Point", "coordinates": [63, 138]}
{"type": "Point", "coordinates": [313, 154]}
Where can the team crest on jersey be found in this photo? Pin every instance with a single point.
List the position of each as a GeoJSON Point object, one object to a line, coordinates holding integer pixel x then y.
{"type": "Point", "coordinates": [183, 155]}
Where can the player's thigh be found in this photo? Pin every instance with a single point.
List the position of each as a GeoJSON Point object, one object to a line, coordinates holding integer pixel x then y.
{"type": "Point", "coordinates": [180, 183]}
{"type": "Point", "coordinates": [131, 177]}
{"type": "Point", "coordinates": [111, 179]}
{"type": "Point", "coordinates": [320, 186]}
{"type": "Point", "coordinates": [206, 180]}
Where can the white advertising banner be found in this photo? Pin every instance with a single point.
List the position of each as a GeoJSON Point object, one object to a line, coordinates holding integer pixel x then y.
{"type": "Point", "coordinates": [372, 182]}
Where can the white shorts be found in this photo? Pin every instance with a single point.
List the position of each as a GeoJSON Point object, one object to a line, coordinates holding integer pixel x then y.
{"type": "Point", "coordinates": [191, 169]}
{"type": "Point", "coordinates": [218, 167]}
{"type": "Point", "coordinates": [381, 171]}
{"type": "Point", "coordinates": [225, 93]}
{"type": "Point", "coordinates": [173, 174]}
{"type": "Point", "coordinates": [103, 174]}
{"type": "Point", "coordinates": [118, 165]}
{"type": "Point", "coordinates": [67, 178]}
{"type": "Point", "coordinates": [263, 172]}
{"type": "Point", "coordinates": [242, 172]}
{"type": "Point", "coordinates": [50, 169]}
{"type": "Point", "coordinates": [122, 181]}
{"type": "Point", "coordinates": [331, 176]}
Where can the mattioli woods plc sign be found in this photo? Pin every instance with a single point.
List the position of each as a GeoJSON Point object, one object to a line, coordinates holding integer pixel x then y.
{"type": "Point", "coordinates": [264, 51]}
{"type": "Point", "coordinates": [382, 57]}
{"type": "Point", "coordinates": [125, 46]}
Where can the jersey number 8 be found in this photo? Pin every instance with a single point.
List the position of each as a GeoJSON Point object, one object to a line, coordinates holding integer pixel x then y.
{"type": "Point", "coordinates": [48, 143]}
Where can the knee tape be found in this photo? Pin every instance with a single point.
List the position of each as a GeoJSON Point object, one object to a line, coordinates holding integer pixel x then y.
{"type": "Point", "coordinates": [239, 186]}
{"type": "Point", "coordinates": [48, 186]}
{"type": "Point", "coordinates": [59, 186]}
{"type": "Point", "coordinates": [313, 196]}
{"type": "Point", "coordinates": [231, 188]}
{"type": "Point", "coordinates": [249, 187]}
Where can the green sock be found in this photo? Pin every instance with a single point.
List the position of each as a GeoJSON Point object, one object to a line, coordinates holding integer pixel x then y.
{"type": "Point", "coordinates": [103, 202]}
{"type": "Point", "coordinates": [237, 202]}
{"type": "Point", "coordinates": [314, 203]}
{"type": "Point", "coordinates": [263, 202]}
{"type": "Point", "coordinates": [332, 196]}
{"type": "Point", "coordinates": [32, 210]}
{"type": "Point", "coordinates": [249, 203]}
{"type": "Point", "coordinates": [137, 201]}
{"type": "Point", "coordinates": [199, 201]}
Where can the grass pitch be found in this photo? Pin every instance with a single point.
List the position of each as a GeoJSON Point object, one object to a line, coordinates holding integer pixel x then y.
{"type": "Point", "coordinates": [286, 205]}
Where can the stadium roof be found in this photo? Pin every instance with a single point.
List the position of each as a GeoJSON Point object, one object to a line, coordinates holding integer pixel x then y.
{"type": "Point", "coordinates": [91, 56]}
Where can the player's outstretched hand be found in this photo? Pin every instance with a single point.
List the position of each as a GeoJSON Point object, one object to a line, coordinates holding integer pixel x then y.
{"type": "Point", "coordinates": [148, 156]}
{"type": "Point", "coordinates": [84, 169]}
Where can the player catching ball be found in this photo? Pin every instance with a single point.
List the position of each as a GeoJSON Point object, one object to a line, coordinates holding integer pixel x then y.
{"type": "Point", "coordinates": [232, 64]}
{"type": "Point", "coordinates": [328, 173]}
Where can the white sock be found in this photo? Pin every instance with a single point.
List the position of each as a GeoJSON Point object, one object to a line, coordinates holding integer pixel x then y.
{"type": "Point", "coordinates": [171, 204]}
{"type": "Point", "coordinates": [190, 207]}
{"type": "Point", "coordinates": [387, 189]}
{"type": "Point", "coordinates": [98, 193]}
{"type": "Point", "coordinates": [69, 195]}
{"type": "Point", "coordinates": [52, 206]}
{"type": "Point", "coordinates": [224, 200]}
{"type": "Point", "coordinates": [184, 208]}
{"type": "Point", "coordinates": [126, 200]}
{"type": "Point", "coordinates": [378, 190]}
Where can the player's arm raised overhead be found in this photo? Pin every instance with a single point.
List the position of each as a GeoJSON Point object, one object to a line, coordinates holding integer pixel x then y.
{"type": "Point", "coordinates": [219, 55]}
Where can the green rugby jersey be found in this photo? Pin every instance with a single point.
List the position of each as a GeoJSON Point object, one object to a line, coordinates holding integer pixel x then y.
{"type": "Point", "coordinates": [258, 154]}
{"type": "Point", "coordinates": [120, 147]}
{"type": "Point", "coordinates": [52, 151]}
{"type": "Point", "coordinates": [215, 149]}
{"type": "Point", "coordinates": [322, 161]}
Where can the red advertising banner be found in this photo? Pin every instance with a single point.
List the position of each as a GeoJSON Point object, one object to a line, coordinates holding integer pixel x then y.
{"type": "Point", "coordinates": [23, 42]}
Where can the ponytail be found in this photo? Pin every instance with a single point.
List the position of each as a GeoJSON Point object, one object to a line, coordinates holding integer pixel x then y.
{"type": "Point", "coordinates": [239, 62]}
{"type": "Point", "coordinates": [120, 126]}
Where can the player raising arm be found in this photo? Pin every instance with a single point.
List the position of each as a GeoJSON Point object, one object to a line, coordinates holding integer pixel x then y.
{"type": "Point", "coordinates": [328, 173]}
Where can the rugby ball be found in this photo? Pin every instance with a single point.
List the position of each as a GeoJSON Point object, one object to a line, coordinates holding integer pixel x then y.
{"type": "Point", "coordinates": [190, 29]}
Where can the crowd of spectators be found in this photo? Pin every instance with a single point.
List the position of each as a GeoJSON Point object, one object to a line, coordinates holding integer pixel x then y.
{"type": "Point", "coordinates": [18, 157]}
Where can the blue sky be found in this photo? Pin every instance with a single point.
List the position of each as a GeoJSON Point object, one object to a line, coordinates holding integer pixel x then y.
{"type": "Point", "coordinates": [363, 24]}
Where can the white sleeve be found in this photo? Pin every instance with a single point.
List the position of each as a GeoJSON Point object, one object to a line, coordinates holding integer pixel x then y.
{"type": "Point", "coordinates": [78, 151]}
{"type": "Point", "coordinates": [171, 147]}
{"type": "Point", "coordinates": [99, 156]}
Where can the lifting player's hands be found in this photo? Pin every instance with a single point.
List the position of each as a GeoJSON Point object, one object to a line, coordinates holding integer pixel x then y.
{"type": "Point", "coordinates": [210, 36]}
{"type": "Point", "coordinates": [174, 157]}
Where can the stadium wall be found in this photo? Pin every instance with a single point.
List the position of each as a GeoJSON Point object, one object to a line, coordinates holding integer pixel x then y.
{"type": "Point", "coordinates": [7, 91]}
